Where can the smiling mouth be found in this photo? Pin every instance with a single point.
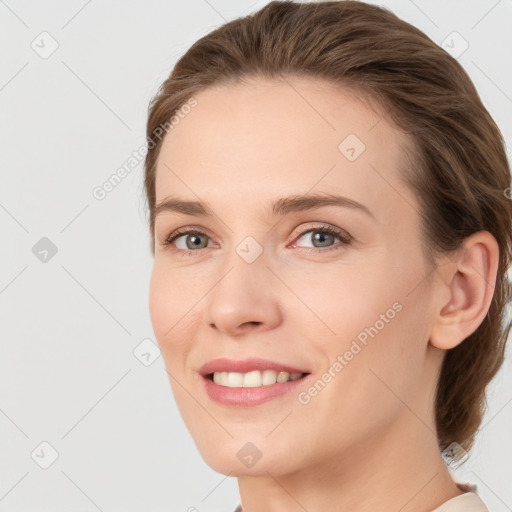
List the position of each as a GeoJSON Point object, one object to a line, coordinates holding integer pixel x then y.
{"type": "Point", "coordinates": [253, 379]}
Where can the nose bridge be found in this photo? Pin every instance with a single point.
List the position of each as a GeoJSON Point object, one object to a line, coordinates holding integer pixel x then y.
{"type": "Point", "coordinates": [248, 248]}
{"type": "Point", "coordinates": [244, 291]}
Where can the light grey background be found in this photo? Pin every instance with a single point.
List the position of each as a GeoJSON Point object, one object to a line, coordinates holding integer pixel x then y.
{"type": "Point", "coordinates": [70, 325]}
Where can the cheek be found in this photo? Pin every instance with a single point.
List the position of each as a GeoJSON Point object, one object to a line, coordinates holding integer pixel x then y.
{"type": "Point", "coordinates": [160, 302]}
{"type": "Point", "coordinates": [343, 302]}
{"type": "Point", "coordinates": [171, 312]}
{"type": "Point", "coordinates": [378, 362]}
{"type": "Point", "coordinates": [369, 317]}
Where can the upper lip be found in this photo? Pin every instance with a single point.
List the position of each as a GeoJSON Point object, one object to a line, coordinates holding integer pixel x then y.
{"type": "Point", "coordinates": [246, 365]}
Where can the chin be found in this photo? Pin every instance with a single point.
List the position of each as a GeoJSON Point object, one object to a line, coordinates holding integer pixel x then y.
{"type": "Point", "coordinates": [231, 466]}
{"type": "Point", "coordinates": [238, 456]}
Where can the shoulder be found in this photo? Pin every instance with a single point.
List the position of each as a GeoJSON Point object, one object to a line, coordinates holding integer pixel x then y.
{"type": "Point", "coordinates": [467, 502]}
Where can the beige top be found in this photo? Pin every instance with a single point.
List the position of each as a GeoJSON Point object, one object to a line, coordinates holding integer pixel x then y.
{"type": "Point", "coordinates": [467, 502]}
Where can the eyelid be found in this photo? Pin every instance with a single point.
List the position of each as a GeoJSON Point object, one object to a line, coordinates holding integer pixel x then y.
{"type": "Point", "coordinates": [186, 230]}
{"type": "Point", "coordinates": [335, 231]}
{"type": "Point", "coordinates": [344, 237]}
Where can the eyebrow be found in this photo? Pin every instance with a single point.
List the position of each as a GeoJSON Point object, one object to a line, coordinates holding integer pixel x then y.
{"type": "Point", "coordinates": [279, 207]}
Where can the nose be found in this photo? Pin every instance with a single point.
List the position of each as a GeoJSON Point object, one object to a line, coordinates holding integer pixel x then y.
{"type": "Point", "coordinates": [245, 298]}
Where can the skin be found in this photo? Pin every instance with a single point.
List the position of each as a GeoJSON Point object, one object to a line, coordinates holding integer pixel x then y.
{"type": "Point", "coordinates": [372, 426]}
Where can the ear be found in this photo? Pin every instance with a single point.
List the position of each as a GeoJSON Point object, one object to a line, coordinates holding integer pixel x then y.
{"type": "Point", "coordinates": [468, 282]}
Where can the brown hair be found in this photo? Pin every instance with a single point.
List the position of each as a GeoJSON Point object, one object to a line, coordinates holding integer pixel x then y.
{"type": "Point", "coordinates": [460, 172]}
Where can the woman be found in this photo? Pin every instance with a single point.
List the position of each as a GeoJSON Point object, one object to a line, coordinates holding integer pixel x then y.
{"type": "Point", "coordinates": [331, 232]}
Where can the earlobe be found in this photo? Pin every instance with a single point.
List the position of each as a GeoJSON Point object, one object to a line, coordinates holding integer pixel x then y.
{"type": "Point", "coordinates": [470, 280]}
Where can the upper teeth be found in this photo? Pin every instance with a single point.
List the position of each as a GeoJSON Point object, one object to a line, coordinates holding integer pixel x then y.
{"type": "Point", "coordinates": [253, 379]}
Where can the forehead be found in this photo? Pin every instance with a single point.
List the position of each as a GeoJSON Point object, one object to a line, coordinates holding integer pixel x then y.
{"type": "Point", "coordinates": [250, 142]}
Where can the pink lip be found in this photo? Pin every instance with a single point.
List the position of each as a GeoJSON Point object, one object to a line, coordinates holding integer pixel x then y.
{"type": "Point", "coordinates": [246, 365]}
{"type": "Point", "coordinates": [245, 397]}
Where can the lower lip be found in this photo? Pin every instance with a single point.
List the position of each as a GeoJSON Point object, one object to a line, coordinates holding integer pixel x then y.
{"type": "Point", "coordinates": [246, 397]}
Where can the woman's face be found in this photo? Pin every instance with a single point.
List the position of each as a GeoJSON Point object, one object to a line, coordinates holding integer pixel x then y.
{"type": "Point", "coordinates": [260, 278]}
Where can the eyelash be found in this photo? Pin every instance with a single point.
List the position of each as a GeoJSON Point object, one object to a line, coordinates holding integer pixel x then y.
{"type": "Point", "coordinates": [345, 239]}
